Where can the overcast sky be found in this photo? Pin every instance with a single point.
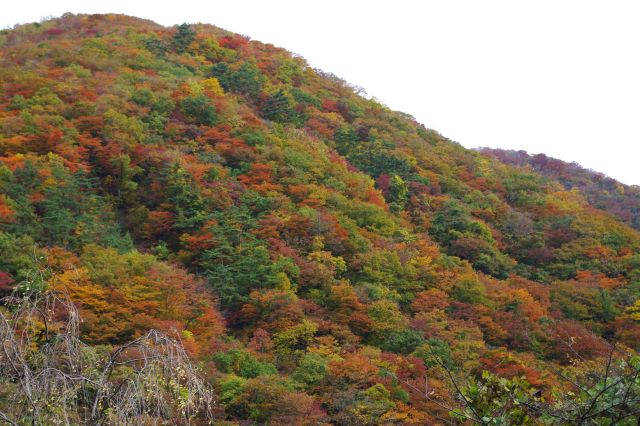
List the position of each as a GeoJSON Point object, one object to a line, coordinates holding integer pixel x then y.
{"type": "Point", "coordinates": [557, 77]}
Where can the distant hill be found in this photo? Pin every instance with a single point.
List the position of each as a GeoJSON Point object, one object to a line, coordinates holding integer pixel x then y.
{"type": "Point", "coordinates": [602, 192]}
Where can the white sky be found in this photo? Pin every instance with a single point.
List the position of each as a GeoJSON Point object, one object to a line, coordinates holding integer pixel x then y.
{"type": "Point", "coordinates": [558, 77]}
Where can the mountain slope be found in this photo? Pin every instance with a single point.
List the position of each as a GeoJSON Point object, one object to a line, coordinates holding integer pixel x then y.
{"type": "Point", "coordinates": [602, 192]}
{"type": "Point", "coordinates": [316, 252]}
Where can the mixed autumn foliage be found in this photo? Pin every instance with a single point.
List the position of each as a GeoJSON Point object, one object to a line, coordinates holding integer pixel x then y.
{"type": "Point", "coordinates": [603, 192]}
{"type": "Point", "coordinates": [318, 254]}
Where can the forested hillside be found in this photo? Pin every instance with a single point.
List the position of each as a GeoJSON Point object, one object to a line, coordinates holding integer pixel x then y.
{"type": "Point", "coordinates": [602, 192]}
{"type": "Point", "coordinates": [289, 251]}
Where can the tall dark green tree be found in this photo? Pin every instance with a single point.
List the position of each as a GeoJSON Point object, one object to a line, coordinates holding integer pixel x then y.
{"type": "Point", "coordinates": [278, 107]}
{"type": "Point", "coordinates": [187, 203]}
{"type": "Point", "coordinates": [247, 80]}
{"type": "Point", "coordinates": [183, 37]}
{"type": "Point", "coordinates": [199, 110]}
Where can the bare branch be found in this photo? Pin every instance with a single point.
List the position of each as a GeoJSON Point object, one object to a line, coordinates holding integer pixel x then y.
{"type": "Point", "coordinates": [60, 379]}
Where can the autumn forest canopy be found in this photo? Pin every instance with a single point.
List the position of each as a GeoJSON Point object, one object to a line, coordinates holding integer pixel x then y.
{"type": "Point", "coordinates": [200, 228]}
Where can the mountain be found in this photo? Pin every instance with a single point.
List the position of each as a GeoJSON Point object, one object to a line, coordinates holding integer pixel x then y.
{"type": "Point", "coordinates": [196, 226]}
{"type": "Point", "coordinates": [600, 191]}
